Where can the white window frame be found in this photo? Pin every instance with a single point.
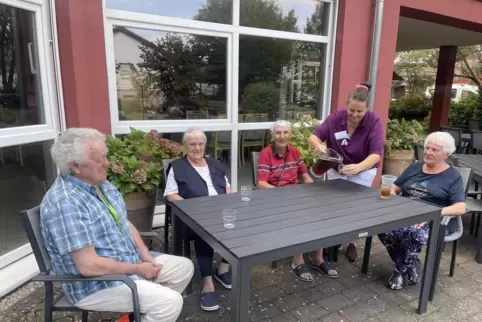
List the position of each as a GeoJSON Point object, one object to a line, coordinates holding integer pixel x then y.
{"type": "Point", "coordinates": [47, 79]}
{"type": "Point", "coordinates": [50, 87]}
{"type": "Point", "coordinates": [232, 32]}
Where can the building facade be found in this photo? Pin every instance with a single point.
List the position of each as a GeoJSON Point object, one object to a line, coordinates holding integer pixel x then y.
{"type": "Point", "coordinates": [229, 67]}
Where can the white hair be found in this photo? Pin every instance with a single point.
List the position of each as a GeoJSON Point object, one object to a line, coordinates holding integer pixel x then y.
{"type": "Point", "coordinates": [192, 134]}
{"type": "Point", "coordinates": [444, 139]}
{"type": "Point", "coordinates": [70, 147]}
{"type": "Point", "coordinates": [280, 123]}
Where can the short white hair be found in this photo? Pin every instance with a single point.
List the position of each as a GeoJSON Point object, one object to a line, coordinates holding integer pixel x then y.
{"type": "Point", "coordinates": [193, 134]}
{"type": "Point", "coordinates": [281, 123]}
{"type": "Point", "coordinates": [70, 147]}
{"type": "Point", "coordinates": [444, 139]}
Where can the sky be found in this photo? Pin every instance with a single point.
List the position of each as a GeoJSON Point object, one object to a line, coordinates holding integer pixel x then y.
{"type": "Point", "coordinates": [188, 9]}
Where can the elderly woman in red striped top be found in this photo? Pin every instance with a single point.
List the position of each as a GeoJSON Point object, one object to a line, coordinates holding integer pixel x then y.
{"type": "Point", "coordinates": [280, 164]}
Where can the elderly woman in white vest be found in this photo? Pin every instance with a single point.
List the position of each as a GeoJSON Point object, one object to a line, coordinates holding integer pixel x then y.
{"type": "Point", "coordinates": [197, 176]}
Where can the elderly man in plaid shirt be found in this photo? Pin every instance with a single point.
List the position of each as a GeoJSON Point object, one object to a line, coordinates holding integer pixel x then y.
{"type": "Point", "coordinates": [86, 232]}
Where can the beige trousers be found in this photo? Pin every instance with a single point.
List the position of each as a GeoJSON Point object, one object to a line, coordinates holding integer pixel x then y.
{"type": "Point", "coordinates": [160, 300]}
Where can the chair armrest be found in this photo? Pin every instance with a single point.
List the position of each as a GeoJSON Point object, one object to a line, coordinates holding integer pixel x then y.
{"type": "Point", "coordinates": [445, 220]}
{"type": "Point", "coordinates": [118, 278]}
{"type": "Point", "coordinates": [475, 193]}
{"type": "Point", "coordinates": [151, 234]}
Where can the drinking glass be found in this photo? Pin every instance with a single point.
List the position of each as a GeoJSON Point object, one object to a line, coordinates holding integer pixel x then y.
{"type": "Point", "coordinates": [229, 218]}
{"type": "Point", "coordinates": [245, 193]}
{"type": "Point", "coordinates": [340, 166]}
{"type": "Point", "coordinates": [386, 187]}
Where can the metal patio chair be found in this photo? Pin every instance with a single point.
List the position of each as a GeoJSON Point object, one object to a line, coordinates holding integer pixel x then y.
{"type": "Point", "coordinates": [31, 223]}
{"type": "Point", "coordinates": [443, 239]}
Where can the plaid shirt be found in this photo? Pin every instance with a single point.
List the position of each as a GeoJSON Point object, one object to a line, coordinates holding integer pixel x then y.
{"type": "Point", "coordinates": [73, 217]}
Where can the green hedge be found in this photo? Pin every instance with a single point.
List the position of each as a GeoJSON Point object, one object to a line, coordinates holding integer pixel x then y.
{"type": "Point", "coordinates": [420, 109]}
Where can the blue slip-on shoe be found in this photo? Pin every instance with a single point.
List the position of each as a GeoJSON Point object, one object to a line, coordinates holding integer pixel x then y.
{"type": "Point", "coordinates": [209, 301]}
{"type": "Point", "coordinates": [224, 279]}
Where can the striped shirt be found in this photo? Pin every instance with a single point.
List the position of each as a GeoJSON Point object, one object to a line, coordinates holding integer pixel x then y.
{"type": "Point", "coordinates": [271, 166]}
{"type": "Point", "coordinates": [72, 217]}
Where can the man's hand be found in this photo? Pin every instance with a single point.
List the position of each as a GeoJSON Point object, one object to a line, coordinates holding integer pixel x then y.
{"type": "Point", "coordinates": [351, 169]}
{"type": "Point", "coordinates": [149, 270]}
{"type": "Point", "coordinates": [149, 259]}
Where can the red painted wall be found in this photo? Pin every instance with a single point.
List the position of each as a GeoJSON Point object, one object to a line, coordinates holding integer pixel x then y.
{"type": "Point", "coordinates": [83, 63]}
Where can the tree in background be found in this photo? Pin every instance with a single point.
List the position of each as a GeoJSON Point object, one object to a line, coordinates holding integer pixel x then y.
{"type": "Point", "coordinates": [416, 67]}
{"type": "Point", "coordinates": [171, 65]}
{"type": "Point", "coordinates": [260, 59]}
{"type": "Point", "coordinates": [7, 49]}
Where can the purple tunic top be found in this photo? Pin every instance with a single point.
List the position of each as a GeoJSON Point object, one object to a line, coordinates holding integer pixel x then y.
{"type": "Point", "coordinates": [367, 138]}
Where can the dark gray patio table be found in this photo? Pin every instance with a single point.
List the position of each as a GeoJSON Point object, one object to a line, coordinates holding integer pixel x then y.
{"type": "Point", "coordinates": [281, 222]}
{"type": "Point", "coordinates": [473, 161]}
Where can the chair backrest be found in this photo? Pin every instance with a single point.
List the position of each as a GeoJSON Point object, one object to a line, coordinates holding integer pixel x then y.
{"type": "Point", "coordinates": [418, 151]}
{"type": "Point", "coordinates": [473, 124]}
{"type": "Point", "coordinates": [452, 161]}
{"type": "Point", "coordinates": [165, 165]}
{"type": "Point", "coordinates": [466, 174]}
{"type": "Point", "coordinates": [476, 140]}
{"type": "Point", "coordinates": [455, 132]}
{"type": "Point", "coordinates": [31, 223]}
{"type": "Point", "coordinates": [255, 163]}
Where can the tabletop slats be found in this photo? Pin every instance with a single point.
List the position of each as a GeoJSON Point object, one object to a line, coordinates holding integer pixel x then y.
{"type": "Point", "coordinates": [290, 215]}
{"type": "Point", "coordinates": [473, 161]}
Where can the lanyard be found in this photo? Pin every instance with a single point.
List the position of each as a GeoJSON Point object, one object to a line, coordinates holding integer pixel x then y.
{"type": "Point", "coordinates": [106, 202]}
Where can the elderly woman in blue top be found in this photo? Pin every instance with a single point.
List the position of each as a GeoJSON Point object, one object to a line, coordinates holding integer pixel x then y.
{"type": "Point", "coordinates": [196, 176]}
{"type": "Point", "coordinates": [85, 229]}
{"type": "Point", "coordinates": [432, 181]}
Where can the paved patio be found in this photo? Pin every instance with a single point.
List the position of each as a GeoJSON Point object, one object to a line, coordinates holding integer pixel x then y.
{"type": "Point", "coordinates": [277, 296]}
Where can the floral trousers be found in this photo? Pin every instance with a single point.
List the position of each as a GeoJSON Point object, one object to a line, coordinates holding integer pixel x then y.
{"type": "Point", "coordinates": [405, 244]}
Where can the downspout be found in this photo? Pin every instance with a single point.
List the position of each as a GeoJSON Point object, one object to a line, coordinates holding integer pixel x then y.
{"type": "Point", "coordinates": [377, 35]}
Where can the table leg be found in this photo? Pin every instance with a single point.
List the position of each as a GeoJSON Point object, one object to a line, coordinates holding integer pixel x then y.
{"type": "Point", "coordinates": [176, 234]}
{"type": "Point", "coordinates": [428, 267]}
{"type": "Point", "coordinates": [366, 254]}
{"type": "Point", "coordinates": [438, 257]}
{"type": "Point", "coordinates": [478, 255]}
{"type": "Point", "coordinates": [240, 292]}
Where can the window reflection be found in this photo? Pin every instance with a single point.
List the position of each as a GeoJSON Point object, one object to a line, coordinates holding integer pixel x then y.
{"type": "Point", "coordinates": [219, 11]}
{"type": "Point", "coordinates": [163, 75]}
{"type": "Point", "coordinates": [279, 79]}
{"type": "Point", "coordinates": [20, 96]}
{"type": "Point", "coordinates": [303, 16]}
{"type": "Point", "coordinates": [26, 172]}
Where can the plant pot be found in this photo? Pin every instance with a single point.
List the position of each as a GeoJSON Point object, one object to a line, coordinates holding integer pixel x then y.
{"type": "Point", "coordinates": [140, 210]}
{"type": "Point", "coordinates": [397, 162]}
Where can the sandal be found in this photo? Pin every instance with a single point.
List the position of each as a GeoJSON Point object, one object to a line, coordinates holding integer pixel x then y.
{"type": "Point", "coordinates": [324, 269]}
{"type": "Point", "coordinates": [300, 270]}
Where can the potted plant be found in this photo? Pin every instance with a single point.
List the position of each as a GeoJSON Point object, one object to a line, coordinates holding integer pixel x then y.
{"type": "Point", "coordinates": [136, 171]}
{"type": "Point", "coordinates": [400, 140]}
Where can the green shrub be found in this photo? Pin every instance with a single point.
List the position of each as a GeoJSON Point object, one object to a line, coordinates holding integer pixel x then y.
{"type": "Point", "coordinates": [303, 128]}
{"type": "Point", "coordinates": [402, 135]}
{"type": "Point", "coordinates": [463, 110]}
{"type": "Point", "coordinates": [410, 108]}
{"type": "Point", "coordinates": [261, 98]}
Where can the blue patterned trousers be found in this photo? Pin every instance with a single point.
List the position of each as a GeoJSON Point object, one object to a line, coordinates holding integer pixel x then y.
{"type": "Point", "coordinates": [404, 245]}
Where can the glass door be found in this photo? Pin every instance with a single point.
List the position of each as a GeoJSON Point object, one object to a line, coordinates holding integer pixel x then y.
{"type": "Point", "coordinates": [30, 116]}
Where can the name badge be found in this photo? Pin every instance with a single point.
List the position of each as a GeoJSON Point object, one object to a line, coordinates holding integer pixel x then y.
{"type": "Point", "coordinates": [341, 135]}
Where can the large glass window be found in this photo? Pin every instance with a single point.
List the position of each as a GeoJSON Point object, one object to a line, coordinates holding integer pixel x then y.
{"type": "Point", "coordinates": [168, 75]}
{"type": "Point", "coordinates": [304, 16]}
{"type": "Point", "coordinates": [279, 79]}
{"type": "Point", "coordinates": [209, 10]}
{"type": "Point", "coordinates": [20, 100]}
{"type": "Point", "coordinates": [26, 172]}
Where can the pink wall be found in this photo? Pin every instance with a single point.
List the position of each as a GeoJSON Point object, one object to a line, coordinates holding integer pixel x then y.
{"type": "Point", "coordinates": [80, 27]}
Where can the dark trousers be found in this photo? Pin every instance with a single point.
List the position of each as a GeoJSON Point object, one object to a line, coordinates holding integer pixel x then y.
{"type": "Point", "coordinates": [204, 254]}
